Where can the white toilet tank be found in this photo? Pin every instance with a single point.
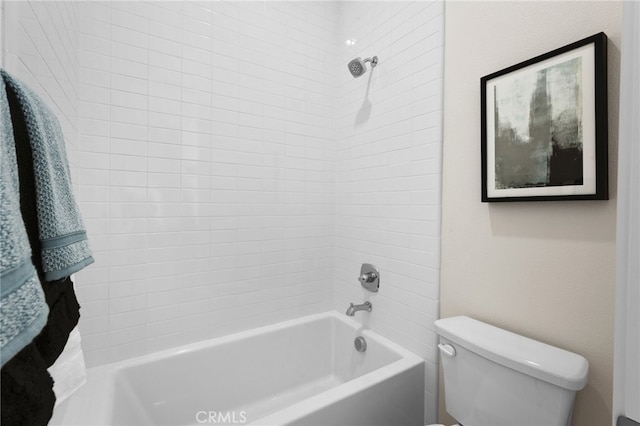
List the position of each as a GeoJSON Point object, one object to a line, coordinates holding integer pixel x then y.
{"type": "Point", "coordinates": [493, 377]}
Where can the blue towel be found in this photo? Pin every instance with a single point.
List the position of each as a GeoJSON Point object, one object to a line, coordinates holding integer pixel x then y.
{"type": "Point", "coordinates": [65, 249]}
{"type": "Point", "coordinates": [23, 310]}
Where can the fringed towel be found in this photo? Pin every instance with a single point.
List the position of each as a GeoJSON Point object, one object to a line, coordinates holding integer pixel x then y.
{"type": "Point", "coordinates": [64, 246]}
{"type": "Point", "coordinates": [23, 310]}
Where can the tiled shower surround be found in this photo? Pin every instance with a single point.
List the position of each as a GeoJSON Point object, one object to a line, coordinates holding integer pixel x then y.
{"type": "Point", "coordinates": [232, 173]}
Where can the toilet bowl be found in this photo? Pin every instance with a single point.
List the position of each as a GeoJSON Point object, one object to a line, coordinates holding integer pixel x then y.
{"type": "Point", "coordinates": [493, 377]}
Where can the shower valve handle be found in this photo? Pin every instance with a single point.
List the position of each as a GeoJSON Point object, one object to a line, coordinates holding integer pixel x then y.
{"type": "Point", "coordinates": [368, 277]}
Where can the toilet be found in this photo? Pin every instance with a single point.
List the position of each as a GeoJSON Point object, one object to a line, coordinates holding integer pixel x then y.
{"type": "Point", "coordinates": [493, 377]}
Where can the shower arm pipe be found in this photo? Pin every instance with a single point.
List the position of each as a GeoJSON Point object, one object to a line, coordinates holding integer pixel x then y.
{"type": "Point", "coordinates": [374, 61]}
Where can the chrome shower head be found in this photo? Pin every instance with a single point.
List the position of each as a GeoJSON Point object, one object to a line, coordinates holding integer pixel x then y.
{"type": "Point", "coordinates": [357, 66]}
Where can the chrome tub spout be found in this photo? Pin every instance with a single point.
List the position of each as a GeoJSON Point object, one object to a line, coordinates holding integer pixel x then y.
{"type": "Point", "coordinates": [366, 306]}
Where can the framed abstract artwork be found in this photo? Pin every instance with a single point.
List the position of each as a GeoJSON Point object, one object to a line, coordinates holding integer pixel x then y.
{"type": "Point", "coordinates": [544, 126]}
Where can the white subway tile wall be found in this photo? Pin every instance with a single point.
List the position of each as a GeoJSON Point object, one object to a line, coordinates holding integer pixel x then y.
{"type": "Point", "coordinates": [232, 173]}
{"type": "Point", "coordinates": [40, 47]}
{"type": "Point", "coordinates": [208, 144]}
{"type": "Point", "coordinates": [388, 171]}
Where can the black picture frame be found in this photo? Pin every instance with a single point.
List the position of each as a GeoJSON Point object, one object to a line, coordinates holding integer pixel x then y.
{"type": "Point", "coordinates": [544, 126]}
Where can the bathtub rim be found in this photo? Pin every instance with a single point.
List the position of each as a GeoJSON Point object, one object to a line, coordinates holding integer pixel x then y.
{"type": "Point", "coordinates": [363, 330]}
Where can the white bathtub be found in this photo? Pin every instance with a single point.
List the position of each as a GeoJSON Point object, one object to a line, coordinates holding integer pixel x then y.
{"type": "Point", "coordinates": [300, 372]}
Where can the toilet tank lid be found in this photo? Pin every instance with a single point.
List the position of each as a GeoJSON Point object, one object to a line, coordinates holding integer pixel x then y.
{"type": "Point", "coordinates": [545, 362]}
